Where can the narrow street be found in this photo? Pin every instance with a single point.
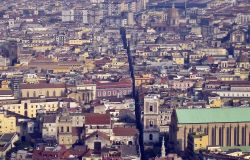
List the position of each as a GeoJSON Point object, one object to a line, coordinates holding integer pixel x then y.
{"type": "Point", "coordinates": [135, 94]}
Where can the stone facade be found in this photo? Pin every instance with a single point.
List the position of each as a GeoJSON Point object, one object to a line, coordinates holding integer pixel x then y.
{"type": "Point", "coordinates": [151, 120]}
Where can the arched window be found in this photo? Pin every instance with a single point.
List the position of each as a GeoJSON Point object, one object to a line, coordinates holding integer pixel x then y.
{"type": "Point", "coordinates": [104, 93]}
{"type": "Point", "coordinates": [151, 123]}
{"type": "Point", "coordinates": [150, 137]}
{"type": "Point", "coordinates": [47, 94]}
{"type": "Point", "coordinates": [151, 108]}
{"type": "Point", "coordinates": [54, 93]}
{"type": "Point", "coordinates": [109, 93]}
{"type": "Point", "coordinates": [34, 93]}
{"type": "Point", "coordinates": [25, 106]}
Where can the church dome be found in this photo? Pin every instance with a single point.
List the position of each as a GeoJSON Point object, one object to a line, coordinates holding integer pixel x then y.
{"type": "Point", "coordinates": [173, 12]}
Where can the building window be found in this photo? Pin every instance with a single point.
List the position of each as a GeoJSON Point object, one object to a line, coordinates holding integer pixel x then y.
{"type": "Point", "coordinates": [54, 93]}
{"type": "Point", "coordinates": [151, 108]}
{"type": "Point", "coordinates": [25, 106]}
{"type": "Point", "coordinates": [47, 94]}
{"type": "Point", "coordinates": [151, 123]}
{"type": "Point", "coordinates": [104, 93]}
{"type": "Point", "coordinates": [109, 93]}
{"type": "Point", "coordinates": [67, 129]}
{"type": "Point", "coordinates": [150, 137]}
{"type": "Point", "coordinates": [62, 129]}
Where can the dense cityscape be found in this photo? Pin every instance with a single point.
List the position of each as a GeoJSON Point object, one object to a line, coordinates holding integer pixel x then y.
{"type": "Point", "coordinates": [124, 80]}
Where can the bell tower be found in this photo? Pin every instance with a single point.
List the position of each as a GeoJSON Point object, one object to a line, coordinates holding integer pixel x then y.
{"type": "Point", "coordinates": [151, 118]}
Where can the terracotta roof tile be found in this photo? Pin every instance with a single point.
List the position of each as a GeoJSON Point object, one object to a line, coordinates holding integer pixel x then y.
{"type": "Point", "coordinates": [121, 131]}
{"type": "Point", "coordinates": [41, 85]}
{"type": "Point", "coordinates": [113, 85]}
{"type": "Point", "coordinates": [97, 119]}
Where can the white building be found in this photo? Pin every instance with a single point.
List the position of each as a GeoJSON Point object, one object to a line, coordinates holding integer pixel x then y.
{"type": "Point", "coordinates": [68, 16]}
{"type": "Point", "coordinates": [85, 17]}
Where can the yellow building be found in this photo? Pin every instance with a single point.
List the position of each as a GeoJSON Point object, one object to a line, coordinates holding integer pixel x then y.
{"type": "Point", "coordinates": [86, 30]}
{"type": "Point", "coordinates": [5, 85]}
{"type": "Point", "coordinates": [178, 60]}
{"type": "Point", "coordinates": [89, 65]}
{"type": "Point", "coordinates": [62, 69]}
{"type": "Point", "coordinates": [42, 89]}
{"type": "Point", "coordinates": [65, 130]}
{"type": "Point", "coordinates": [226, 78]}
{"type": "Point", "coordinates": [144, 79]}
{"type": "Point", "coordinates": [42, 48]}
{"type": "Point", "coordinates": [29, 108]}
{"type": "Point", "coordinates": [243, 74]}
{"type": "Point", "coordinates": [75, 42]}
{"type": "Point", "coordinates": [78, 42]}
{"type": "Point", "coordinates": [31, 78]}
{"type": "Point", "coordinates": [77, 50]}
{"type": "Point", "coordinates": [7, 123]}
{"type": "Point", "coordinates": [198, 141]}
{"type": "Point", "coordinates": [217, 103]}
{"type": "Point", "coordinates": [123, 7]}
